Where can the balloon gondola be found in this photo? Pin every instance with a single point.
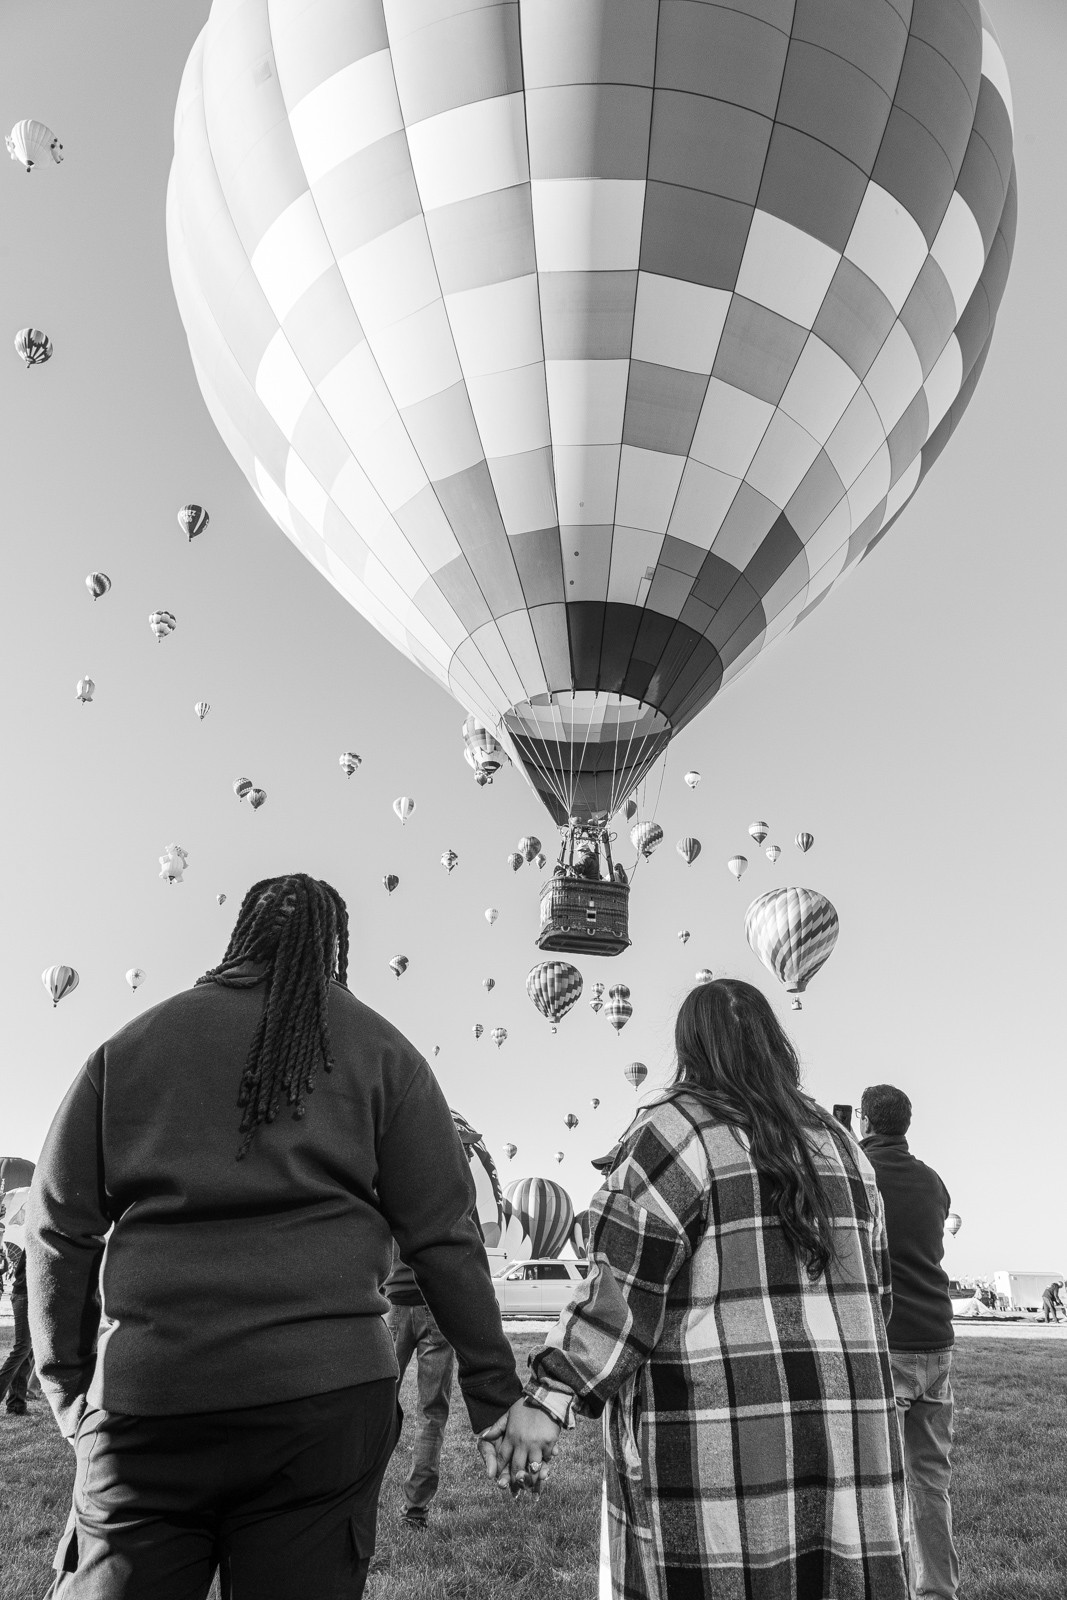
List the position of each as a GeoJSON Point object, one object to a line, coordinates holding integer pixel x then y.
{"type": "Point", "coordinates": [585, 903]}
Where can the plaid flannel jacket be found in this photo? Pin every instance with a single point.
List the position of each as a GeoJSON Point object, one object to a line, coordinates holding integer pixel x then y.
{"type": "Point", "coordinates": [752, 1445]}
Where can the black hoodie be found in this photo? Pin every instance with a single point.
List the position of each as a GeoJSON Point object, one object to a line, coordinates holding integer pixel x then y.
{"type": "Point", "coordinates": [916, 1206]}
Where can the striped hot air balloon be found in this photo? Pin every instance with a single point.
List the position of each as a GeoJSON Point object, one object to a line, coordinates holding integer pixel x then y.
{"type": "Point", "coordinates": [514, 861]}
{"type": "Point", "coordinates": [618, 1010]}
{"type": "Point", "coordinates": [629, 809]}
{"type": "Point", "coordinates": [772, 852]}
{"type": "Point", "coordinates": [201, 708]}
{"type": "Point", "coordinates": [684, 935]}
{"type": "Point", "coordinates": [98, 584]}
{"type": "Point", "coordinates": [645, 836]}
{"type": "Point", "coordinates": [30, 141]}
{"type": "Point", "coordinates": [705, 975]}
{"type": "Point", "coordinates": [477, 1030]}
{"type": "Point", "coordinates": [59, 981]}
{"type": "Point", "coordinates": [596, 1003]}
{"type": "Point", "coordinates": [403, 806]}
{"type": "Point", "coordinates": [570, 1121]}
{"type": "Point", "coordinates": [554, 986]}
{"type": "Point", "coordinates": [193, 520]}
{"type": "Point", "coordinates": [529, 846]}
{"type": "Point", "coordinates": [635, 1073]}
{"type": "Point", "coordinates": [498, 1036]}
{"type": "Point", "coordinates": [793, 931]}
{"type": "Point", "coordinates": [390, 882]}
{"type": "Point", "coordinates": [544, 1212]}
{"type": "Point", "coordinates": [804, 841]}
{"type": "Point", "coordinates": [738, 865]}
{"type": "Point", "coordinates": [953, 1223]}
{"type": "Point", "coordinates": [688, 849]}
{"type": "Point", "coordinates": [758, 831]}
{"type": "Point", "coordinates": [510, 1150]}
{"type": "Point", "coordinates": [33, 346]}
{"type": "Point", "coordinates": [241, 787]}
{"type": "Point", "coordinates": [257, 798]}
{"type": "Point", "coordinates": [488, 984]}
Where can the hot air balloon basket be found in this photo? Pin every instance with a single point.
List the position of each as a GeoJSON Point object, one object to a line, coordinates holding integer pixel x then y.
{"type": "Point", "coordinates": [585, 918]}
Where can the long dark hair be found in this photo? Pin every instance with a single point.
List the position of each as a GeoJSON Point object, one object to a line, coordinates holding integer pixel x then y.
{"type": "Point", "coordinates": [291, 932]}
{"type": "Point", "coordinates": [735, 1057]}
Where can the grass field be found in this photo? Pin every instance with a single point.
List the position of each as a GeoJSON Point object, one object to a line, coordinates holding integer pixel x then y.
{"type": "Point", "coordinates": [1008, 1498]}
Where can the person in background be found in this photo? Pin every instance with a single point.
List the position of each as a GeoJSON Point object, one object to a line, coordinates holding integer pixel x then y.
{"type": "Point", "coordinates": [415, 1332]}
{"type": "Point", "coordinates": [16, 1176]}
{"type": "Point", "coordinates": [920, 1334]}
{"type": "Point", "coordinates": [1051, 1304]}
{"type": "Point", "coordinates": [226, 1176]}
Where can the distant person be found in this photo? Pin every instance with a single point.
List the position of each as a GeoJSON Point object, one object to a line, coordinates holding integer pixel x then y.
{"type": "Point", "coordinates": [1051, 1304]}
{"type": "Point", "coordinates": [239, 1406]}
{"type": "Point", "coordinates": [17, 1370]}
{"type": "Point", "coordinates": [415, 1333]}
{"type": "Point", "coordinates": [731, 1331]}
{"type": "Point", "coordinates": [920, 1333]}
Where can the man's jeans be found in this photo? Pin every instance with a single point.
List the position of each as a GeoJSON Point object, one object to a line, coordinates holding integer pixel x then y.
{"type": "Point", "coordinates": [413, 1329]}
{"type": "Point", "coordinates": [17, 1369]}
{"type": "Point", "coordinates": [923, 1383]}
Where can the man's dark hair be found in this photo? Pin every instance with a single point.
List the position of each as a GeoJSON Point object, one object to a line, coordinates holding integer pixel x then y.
{"type": "Point", "coordinates": [291, 932]}
{"type": "Point", "coordinates": [888, 1110]}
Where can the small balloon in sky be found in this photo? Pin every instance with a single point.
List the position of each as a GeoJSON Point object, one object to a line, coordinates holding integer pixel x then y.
{"type": "Point", "coordinates": [34, 347]}
{"type": "Point", "coordinates": [192, 520]}
{"type": "Point", "coordinates": [498, 1036]}
{"type": "Point", "coordinates": [738, 865]}
{"type": "Point", "coordinates": [629, 810]}
{"type": "Point", "coordinates": [173, 863]}
{"type": "Point", "coordinates": [477, 1030]}
{"type": "Point", "coordinates": [953, 1223]}
{"type": "Point", "coordinates": [758, 831]}
{"type": "Point", "coordinates": [98, 583]}
{"type": "Point", "coordinates": [491, 915]}
{"type": "Point", "coordinates": [510, 1150]}
{"type": "Point", "coordinates": [241, 787]}
{"type": "Point", "coordinates": [85, 690]}
{"type": "Point", "coordinates": [705, 975]}
{"type": "Point", "coordinates": [691, 779]}
{"type": "Point", "coordinates": [618, 1009]}
{"type": "Point", "coordinates": [437, 1049]}
{"type": "Point", "coordinates": [257, 798]}
{"type": "Point", "coordinates": [772, 852]}
{"type": "Point", "coordinates": [645, 836]}
{"type": "Point", "coordinates": [529, 845]}
{"type": "Point", "coordinates": [488, 984]}
{"type": "Point", "coordinates": [449, 860]}
{"type": "Point", "coordinates": [399, 965]}
{"type": "Point", "coordinates": [514, 861]}
{"type": "Point", "coordinates": [31, 141]}
{"type": "Point", "coordinates": [221, 898]}
{"type": "Point", "coordinates": [390, 882]}
{"type": "Point", "coordinates": [635, 1073]}
{"type": "Point", "coordinates": [570, 1121]}
{"type": "Point", "coordinates": [688, 848]}
{"type": "Point", "coordinates": [162, 623]}
{"type": "Point", "coordinates": [796, 1004]}
{"type": "Point", "coordinates": [804, 841]}
{"type": "Point", "coordinates": [201, 708]}
{"type": "Point", "coordinates": [135, 977]}
{"type": "Point", "coordinates": [541, 860]}
{"type": "Point", "coordinates": [59, 981]}
{"type": "Point", "coordinates": [403, 806]}
{"type": "Point", "coordinates": [683, 935]}
{"type": "Point", "coordinates": [594, 1103]}
{"type": "Point", "coordinates": [349, 761]}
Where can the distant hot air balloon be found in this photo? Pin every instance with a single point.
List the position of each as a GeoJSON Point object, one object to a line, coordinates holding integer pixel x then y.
{"type": "Point", "coordinates": [135, 977]}
{"type": "Point", "coordinates": [514, 861]}
{"type": "Point", "coordinates": [257, 798]}
{"type": "Point", "coordinates": [542, 860]}
{"type": "Point", "coordinates": [33, 346]}
{"type": "Point", "coordinates": [173, 863]}
{"type": "Point", "coordinates": [488, 984]}
{"type": "Point", "coordinates": [758, 831]}
{"type": "Point", "coordinates": [570, 1120]}
{"type": "Point", "coordinates": [684, 935]}
{"type": "Point", "coordinates": [691, 779]}
{"type": "Point", "coordinates": [477, 1030]}
{"type": "Point", "coordinates": [30, 141]}
{"type": "Point", "coordinates": [705, 975]}
{"type": "Point", "coordinates": [529, 847]}
{"type": "Point", "coordinates": [594, 1103]}
{"type": "Point", "coordinates": [688, 849]}
{"type": "Point", "coordinates": [953, 1223]}
{"type": "Point", "coordinates": [559, 1155]}
{"type": "Point", "coordinates": [773, 851]}
{"type": "Point", "coordinates": [636, 1073]}
{"type": "Point", "coordinates": [241, 787]}
{"type": "Point", "coordinates": [491, 915]}
{"type": "Point", "coordinates": [481, 751]}
{"type": "Point", "coordinates": [201, 708]}
{"type": "Point", "coordinates": [796, 1004]}
{"type": "Point", "coordinates": [162, 623]}
{"type": "Point", "coordinates": [437, 1049]}
{"type": "Point", "coordinates": [554, 986]}
{"type": "Point", "coordinates": [221, 898]}
{"type": "Point", "coordinates": [399, 965]}
{"type": "Point", "coordinates": [645, 836]}
{"type": "Point", "coordinates": [804, 841]}
{"type": "Point", "coordinates": [498, 1036]}
{"type": "Point", "coordinates": [510, 1150]}
{"type": "Point", "coordinates": [348, 761]}
{"type": "Point", "coordinates": [193, 520]}
{"type": "Point", "coordinates": [59, 981]}
{"type": "Point", "coordinates": [98, 584]}
{"type": "Point", "coordinates": [390, 882]}
{"type": "Point", "coordinates": [449, 860]}
{"type": "Point", "coordinates": [618, 1010]}
{"type": "Point", "coordinates": [543, 1211]}
{"type": "Point", "coordinates": [481, 779]}
{"type": "Point", "coordinates": [597, 1001]}
{"type": "Point", "coordinates": [629, 810]}
{"type": "Point", "coordinates": [793, 931]}
{"type": "Point", "coordinates": [85, 690]}
{"type": "Point", "coordinates": [403, 806]}
{"type": "Point", "coordinates": [738, 865]}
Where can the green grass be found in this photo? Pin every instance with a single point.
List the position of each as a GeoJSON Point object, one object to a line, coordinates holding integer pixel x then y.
{"type": "Point", "coordinates": [1008, 1497]}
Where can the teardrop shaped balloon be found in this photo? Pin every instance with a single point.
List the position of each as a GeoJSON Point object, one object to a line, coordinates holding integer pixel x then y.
{"type": "Point", "coordinates": [953, 1223]}
{"type": "Point", "coordinates": [510, 1150]}
{"type": "Point", "coordinates": [481, 750]}
{"type": "Point", "coordinates": [242, 786]}
{"type": "Point", "coordinates": [618, 1010]}
{"type": "Point", "coordinates": [629, 809]}
{"type": "Point", "coordinates": [688, 849]}
{"type": "Point", "coordinates": [201, 708]}
{"type": "Point", "coordinates": [162, 623]}
{"type": "Point", "coordinates": [135, 977]}
{"type": "Point", "coordinates": [192, 520]}
{"type": "Point", "coordinates": [645, 836]}
{"type": "Point", "coordinates": [390, 882]}
{"type": "Point", "coordinates": [491, 915]}
{"type": "Point", "coordinates": [529, 846]}
{"type": "Point", "coordinates": [635, 1073]}
{"type": "Point", "coordinates": [559, 1155]}
{"type": "Point", "coordinates": [705, 975]}
{"type": "Point", "coordinates": [772, 852]}
{"type": "Point", "coordinates": [31, 142]}
{"type": "Point", "coordinates": [221, 899]}
{"type": "Point", "coordinates": [399, 965]}
{"type": "Point", "coordinates": [257, 798]}
{"type": "Point", "coordinates": [437, 1050]}
{"type": "Point", "coordinates": [398, 233]}
{"type": "Point", "coordinates": [488, 984]}
{"type": "Point", "coordinates": [594, 1103]}
{"type": "Point", "coordinates": [793, 931]}
{"type": "Point", "coordinates": [758, 831]}
{"type": "Point", "coordinates": [98, 584]}
{"type": "Point", "coordinates": [738, 865]}
{"type": "Point", "coordinates": [403, 806]}
{"type": "Point", "coordinates": [691, 779]}
{"type": "Point", "coordinates": [498, 1036]}
{"type": "Point", "coordinates": [570, 1120]}
{"type": "Point", "coordinates": [85, 690]}
{"type": "Point", "coordinates": [477, 1030]}
{"type": "Point", "coordinates": [804, 841]}
{"type": "Point", "coordinates": [59, 981]}
{"type": "Point", "coordinates": [33, 346]}
{"type": "Point", "coordinates": [349, 762]}
{"type": "Point", "coordinates": [514, 861]}
{"type": "Point", "coordinates": [684, 935]}
{"type": "Point", "coordinates": [554, 986]}
{"type": "Point", "coordinates": [544, 1213]}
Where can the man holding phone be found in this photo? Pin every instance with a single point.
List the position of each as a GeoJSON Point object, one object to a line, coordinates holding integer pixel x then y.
{"type": "Point", "coordinates": [919, 1332]}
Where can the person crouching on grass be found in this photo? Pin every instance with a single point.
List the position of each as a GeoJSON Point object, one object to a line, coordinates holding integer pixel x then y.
{"type": "Point", "coordinates": [732, 1333]}
{"type": "Point", "coordinates": [239, 1406]}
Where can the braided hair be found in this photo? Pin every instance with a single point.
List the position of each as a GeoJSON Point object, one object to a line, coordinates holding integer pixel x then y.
{"type": "Point", "coordinates": [296, 928]}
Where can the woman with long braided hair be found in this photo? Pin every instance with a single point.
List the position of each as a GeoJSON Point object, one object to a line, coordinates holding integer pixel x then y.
{"type": "Point", "coordinates": [226, 1177]}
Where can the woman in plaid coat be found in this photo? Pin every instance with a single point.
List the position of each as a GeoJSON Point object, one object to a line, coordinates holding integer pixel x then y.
{"type": "Point", "coordinates": [733, 1335]}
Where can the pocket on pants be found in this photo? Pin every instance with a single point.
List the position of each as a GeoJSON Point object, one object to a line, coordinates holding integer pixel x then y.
{"type": "Point", "coordinates": [66, 1558]}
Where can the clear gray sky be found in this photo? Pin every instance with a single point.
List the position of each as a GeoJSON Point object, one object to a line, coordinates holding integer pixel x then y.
{"type": "Point", "coordinates": [914, 724]}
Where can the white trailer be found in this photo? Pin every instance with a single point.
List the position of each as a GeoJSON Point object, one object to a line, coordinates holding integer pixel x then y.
{"type": "Point", "coordinates": [1022, 1291]}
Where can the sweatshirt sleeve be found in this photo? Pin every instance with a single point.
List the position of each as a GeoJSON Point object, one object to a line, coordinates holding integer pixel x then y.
{"type": "Point", "coordinates": [66, 1224]}
{"type": "Point", "coordinates": [427, 1196]}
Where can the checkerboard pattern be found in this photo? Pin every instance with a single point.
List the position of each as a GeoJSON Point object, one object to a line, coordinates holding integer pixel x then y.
{"type": "Point", "coordinates": [585, 345]}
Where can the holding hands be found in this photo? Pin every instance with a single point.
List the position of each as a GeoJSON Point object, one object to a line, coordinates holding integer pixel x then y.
{"type": "Point", "coordinates": [518, 1448]}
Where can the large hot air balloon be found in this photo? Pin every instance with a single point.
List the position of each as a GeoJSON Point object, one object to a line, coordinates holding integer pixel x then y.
{"type": "Point", "coordinates": [59, 981]}
{"type": "Point", "coordinates": [399, 965]}
{"type": "Point", "coordinates": [403, 806]}
{"type": "Point", "coordinates": [618, 1010]}
{"type": "Point", "coordinates": [793, 931]}
{"type": "Point", "coordinates": [543, 1211]}
{"type": "Point", "coordinates": [635, 1073]}
{"type": "Point", "coordinates": [30, 141]}
{"type": "Point", "coordinates": [688, 849]}
{"type": "Point", "coordinates": [201, 708]}
{"type": "Point", "coordinates": [390, 882]}
{"type": "Point", "coordinates": [33, 346]}
{"type": "Point", "coordinates": [86, 688]}
{"type": "Point", "coordinates": [645, 836]}
{"type": "Point", "coordinates": [585, 356]}
{"type": "Point", "coordinates": [349, 762]}
{"type": "Point", "coordinates": [98, 584]}
{"type": "Point", "coordinates": [804, 841]}
{"type": "Point", "coordinates": [498, 1036]}
{"type": "Point", "coordinates": [554, 986]}
{"type": "Point", "coordinates": [135, 977]}
{"type": "Point", "coordinates": [193, 520]}
{"type": "Point", "coordinates": [162, 623]}
{"type": "Point", "coordinates": [758, 831]}
{"type": "Point", "coordinates": [738, 865]}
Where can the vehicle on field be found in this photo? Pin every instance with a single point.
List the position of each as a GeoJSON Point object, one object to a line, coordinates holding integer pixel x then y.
{"type": "Point", "coordinates": [539, 1288]}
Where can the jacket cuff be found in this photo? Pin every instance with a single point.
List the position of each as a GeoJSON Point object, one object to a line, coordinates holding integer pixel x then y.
{"type": "Point", "coordinates": [556, 1403]}
{"type": "Point", "coordinates": [483, 1411]}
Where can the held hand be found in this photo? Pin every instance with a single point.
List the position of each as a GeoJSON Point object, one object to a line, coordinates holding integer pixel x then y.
{"type": "Point", "coordinates": [527, 1446]}
{"type": "Point", "coordinates": [487, 1441]}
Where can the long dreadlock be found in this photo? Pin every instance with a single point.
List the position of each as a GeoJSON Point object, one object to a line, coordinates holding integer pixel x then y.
{"type": "Point", "coordinates": [297, 928]}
